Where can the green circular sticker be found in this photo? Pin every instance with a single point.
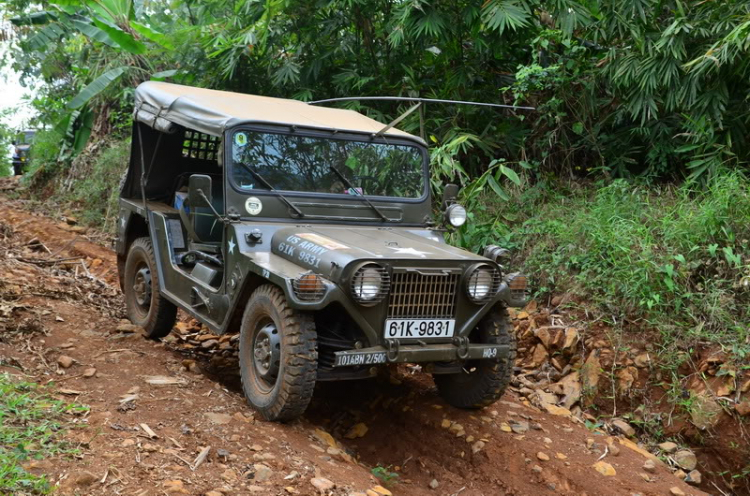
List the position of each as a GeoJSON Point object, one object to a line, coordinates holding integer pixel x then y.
{"type": "Point", "coordinates": [240, 139]}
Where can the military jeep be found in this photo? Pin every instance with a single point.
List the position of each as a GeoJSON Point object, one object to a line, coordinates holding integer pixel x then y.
{"type": "Point", "coordinates": [309, 231]}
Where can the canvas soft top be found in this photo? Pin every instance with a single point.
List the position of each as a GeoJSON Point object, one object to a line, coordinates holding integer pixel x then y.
{"type": "Point", "coordinates": [161, 105]}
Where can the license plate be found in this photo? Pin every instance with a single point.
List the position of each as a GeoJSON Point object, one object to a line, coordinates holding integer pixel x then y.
{"type": "Point", "coordinates": [419, 328]}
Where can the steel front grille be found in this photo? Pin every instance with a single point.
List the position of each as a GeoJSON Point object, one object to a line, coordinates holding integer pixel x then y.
{"type": "Point", "coordinates": [422, 296]}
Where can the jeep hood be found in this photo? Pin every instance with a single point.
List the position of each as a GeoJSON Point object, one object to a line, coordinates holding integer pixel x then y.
{"type": "Point", "coordinates": [321, 248]}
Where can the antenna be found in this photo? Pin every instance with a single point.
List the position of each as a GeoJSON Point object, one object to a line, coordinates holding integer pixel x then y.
{"type": "Point", "coordinates": [420, 104]}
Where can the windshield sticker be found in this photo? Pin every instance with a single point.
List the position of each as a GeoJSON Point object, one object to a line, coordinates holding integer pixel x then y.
{"type": "Point", "coordinates": [326, 243]}
{"type": "Point", "coordinates": [240, 139]}
{"type": "Point", "coordinates": [253, 205]}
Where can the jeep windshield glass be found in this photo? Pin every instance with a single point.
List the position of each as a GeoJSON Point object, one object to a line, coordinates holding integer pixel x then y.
{"type": "Point", "coordinates": [306, 164]}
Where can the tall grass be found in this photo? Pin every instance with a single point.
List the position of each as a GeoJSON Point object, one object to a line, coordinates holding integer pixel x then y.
{"type": "Point", "coordinates": [675, 256]}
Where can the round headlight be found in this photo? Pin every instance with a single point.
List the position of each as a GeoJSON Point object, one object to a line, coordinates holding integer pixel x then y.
{"type": "Point", "coordinates": [481, 284]}
{"type": "Point", "coordinates": [370, 284]}
{"type": "Point", "coordinates": [456, 215]}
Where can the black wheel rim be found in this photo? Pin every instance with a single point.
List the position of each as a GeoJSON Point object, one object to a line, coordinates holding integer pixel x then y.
{"type": "Point", "coordinates": [267, 354]}
{"type": "Point", "coordinates": [142, 288]}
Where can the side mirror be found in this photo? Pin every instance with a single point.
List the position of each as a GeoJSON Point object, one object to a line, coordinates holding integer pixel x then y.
{"type": "Point", "coordinates": [199, 191]}
{"type": "Point", "coordinates": [450, 193]}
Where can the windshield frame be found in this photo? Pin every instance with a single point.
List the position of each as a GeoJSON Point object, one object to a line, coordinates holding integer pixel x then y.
{"type": "Point", "coordinates": [331, 134]}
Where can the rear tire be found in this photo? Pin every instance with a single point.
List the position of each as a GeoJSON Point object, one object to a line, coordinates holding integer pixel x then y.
{"type": "Point", "coordinates": [278, 355]}
{"type": "Point", "coordinates": [488, 379]}
{"type": "Point", "coordinates": [145, 305]}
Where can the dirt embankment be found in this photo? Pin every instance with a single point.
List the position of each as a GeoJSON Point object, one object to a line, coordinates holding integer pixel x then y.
{"type": "Point", "coordinates": [168, 417]}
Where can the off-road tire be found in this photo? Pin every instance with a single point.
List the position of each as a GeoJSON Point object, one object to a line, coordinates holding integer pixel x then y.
{"type": "Point", "coordinates": [159, 318]}
{"type": "Point", "coordinates": [487, 383]}
{"type": "Point", "coordinates": [289, 396]}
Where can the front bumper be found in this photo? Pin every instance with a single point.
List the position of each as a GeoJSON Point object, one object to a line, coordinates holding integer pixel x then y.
{"type": "Point", "coordinates": [394, 352]}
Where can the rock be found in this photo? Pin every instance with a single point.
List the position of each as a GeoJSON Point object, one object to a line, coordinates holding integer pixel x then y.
{"type": "Point", "coordinates": [706, 412]}
{"type": "Point", "coordinates": [547, 440]}
{"type": "Point", "coordinates": [676, 491]}
{"type": "Point", "coordinates": [505, 427]}
{"type": "Point", "coordinates": [614, 450]}
{"type": "Point", "coordinates": [625, 379]}
{"type": "Point", "coordinates": [536, 469]}
{"type": "Point", "coordinates": [571, 338]}
{"type": "Point", "coordinates": [520, 427]}
{"type": "Point", "coordinates": [229, 475]}
{"type": "Point", "coordinates": [381, 490]}
{"type": "Point", "coordinates": [175, 487]}
{"type": "Point", "coordinates": [623, 427]}
{"type": "Point", "coordinates": [569, 387]}
{"type": "Point", "coordinates": [591, 371]}
{"type": "Point", "coordinates": [126, 328]}
{"type": "Point", "coordinates": [218, 418]}
{"type": "Point", "coordinates": [680, 475]}
{"type": "Point", "coordinates": [127, 443]}
{"type": "Point", "coordinates": [668, 447]}
{"type": "Point", "coordinates": [262, 472]}
{"type": "Point", "coordinates": [150, 448]}
{"type": "Point", "coordinates": [541, 399]}
{"type": "Point", "coordinates": [551, 337]}
{"type": "Point", "coordinates": [85, 479]}
{"type": "Point", "coordinates": [539, 356]}
{"type": "Point", "coordinates": [89, 372]}
{"type": "Point", "coordinates": [322, 485]}
{"type": "Point", "coordinates": [434, 484]}
{"type": "Point", "coordinates": [457, 429]}
{"type": "Point", "coordinates": [65, 361]}
{"type": "Point", "coordinates": [477, 447]}
{"type": "Point", "coordinates": [356, 431]}
{"type": "Point", "coordinates": [686, 460]}
{"type": "Point", "coordinates": [214, 493]}
{"type": "Point", "coordinates": [543, 456]}
{"type": "Point", "coordinates": [642, 360]}
{"type": "Point", "coordinates": [694, 477]}
{"type": "Point", "coordinates": [558, 410]}
{"type": "Point", "coordinates": [649, 466]}
{"type": "Point", "coordinates": [743, 407]}
{"type": "Point", "coordinates": [207, 345]}
{"type": "Point", "coordinates": [589, 443]}
{"type": "Point", "coordinates": [445, 423]}
{"type": "Point", "coordinates": [605, 469]}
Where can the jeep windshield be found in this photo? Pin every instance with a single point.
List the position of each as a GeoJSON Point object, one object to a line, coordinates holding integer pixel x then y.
{"type": "Point", "coordinates": [294, 163]}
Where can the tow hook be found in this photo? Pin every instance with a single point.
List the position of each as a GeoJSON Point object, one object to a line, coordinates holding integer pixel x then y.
{"type": "Point", "coordinates": [462, 343]}
{"type": "Point", "coordinates": [391, 350]}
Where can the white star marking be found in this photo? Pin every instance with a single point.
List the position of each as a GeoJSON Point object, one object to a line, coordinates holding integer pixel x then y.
{"type": "Point", "coordinates": [409, 251]}
{"type": "Point", "coordinates": [231, 245]}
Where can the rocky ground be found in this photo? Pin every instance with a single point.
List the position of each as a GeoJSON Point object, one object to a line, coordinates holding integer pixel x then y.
{"type": "Point", "coordinates": [168, 417]}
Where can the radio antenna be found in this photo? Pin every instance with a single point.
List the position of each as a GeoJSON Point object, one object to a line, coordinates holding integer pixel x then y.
{"type": "Point", "coordinates": [420, 104]}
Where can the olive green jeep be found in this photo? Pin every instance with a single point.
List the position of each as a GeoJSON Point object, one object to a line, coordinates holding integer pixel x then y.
{"type": "Point", "coordinates": [309, 231]}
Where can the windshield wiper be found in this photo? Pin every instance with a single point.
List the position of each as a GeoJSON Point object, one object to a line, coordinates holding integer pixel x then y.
{"type": "Point", "coordinates": [265, 183]}
{"type": "Point", "coordinates": [351, 187]}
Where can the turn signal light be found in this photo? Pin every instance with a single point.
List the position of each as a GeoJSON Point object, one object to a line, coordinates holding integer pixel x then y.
{"type": "Point", "coordinates": [309, 287]}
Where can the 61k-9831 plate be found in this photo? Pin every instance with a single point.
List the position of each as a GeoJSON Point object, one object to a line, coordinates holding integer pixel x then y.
{"type": "Point", "coordinates": [419, 328]}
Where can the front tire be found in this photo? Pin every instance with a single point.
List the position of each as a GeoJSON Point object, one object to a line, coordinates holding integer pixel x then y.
{"type": "Point", "coordinates": [278, 355]}
{"type": "Point", "coordinates": [145, 305]}
{"type": "Point", "coordinates": [486, 380]}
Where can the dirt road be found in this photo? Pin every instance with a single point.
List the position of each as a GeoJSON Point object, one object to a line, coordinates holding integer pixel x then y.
{"type": "Point", "coordinates": [156, 406]}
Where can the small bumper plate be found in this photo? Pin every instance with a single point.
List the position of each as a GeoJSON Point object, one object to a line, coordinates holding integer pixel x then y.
{"type": "Point", "coordinates": [377, 355]}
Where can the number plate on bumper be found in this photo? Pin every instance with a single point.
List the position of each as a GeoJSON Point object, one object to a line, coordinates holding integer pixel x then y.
{"type": "Point", "coordinates": [419, 328]}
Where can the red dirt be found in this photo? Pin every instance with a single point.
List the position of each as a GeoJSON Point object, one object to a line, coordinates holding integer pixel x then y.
{"type": "Point", "coordinates": [403, 414]}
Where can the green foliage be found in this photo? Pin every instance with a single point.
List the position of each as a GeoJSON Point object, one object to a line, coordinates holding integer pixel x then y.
{"type": "Point", "coordinates": [31, 427]}
{"type": "Point", "coordinates": [385, 475]}
{"type": "Point", "coordinates": [674, 256]}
